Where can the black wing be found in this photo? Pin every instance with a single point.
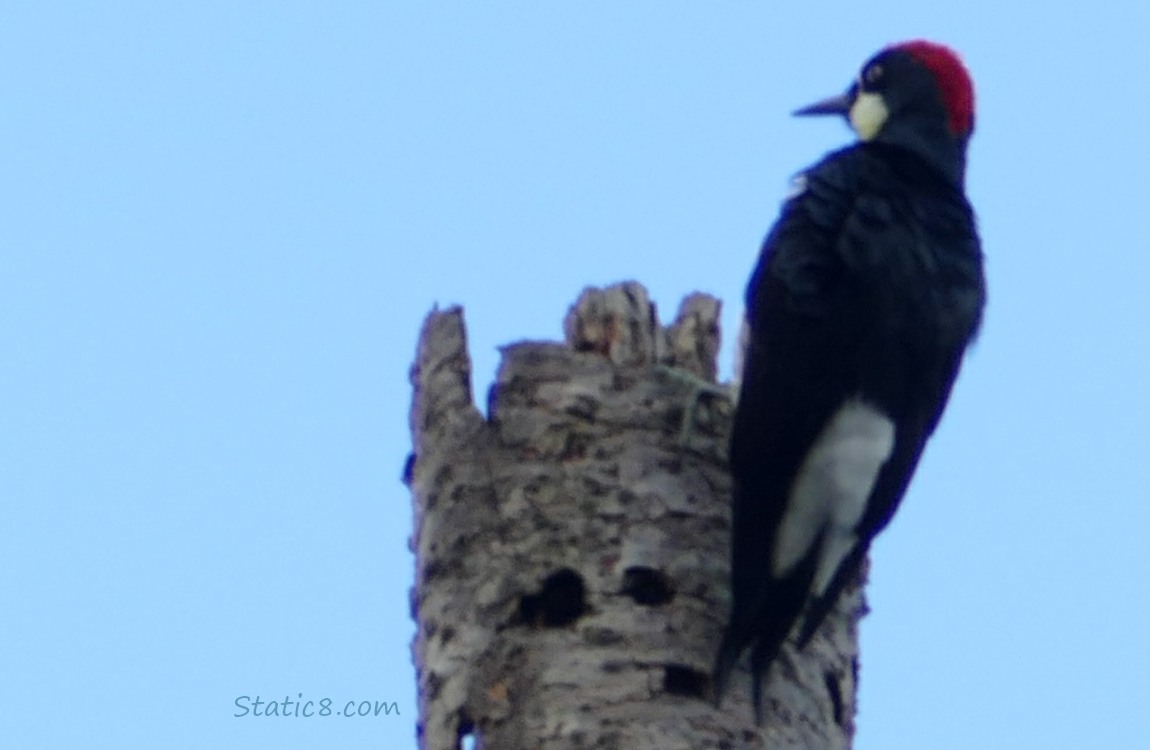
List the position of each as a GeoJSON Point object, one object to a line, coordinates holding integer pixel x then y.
{"type": "Point", "coordinates": [791, 385]}
{"type": "Point", "coordinates": [851, 298]}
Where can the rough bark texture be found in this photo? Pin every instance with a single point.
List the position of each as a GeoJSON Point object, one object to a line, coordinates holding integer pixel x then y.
{"type": "Point", "coordinates": [572, 549]}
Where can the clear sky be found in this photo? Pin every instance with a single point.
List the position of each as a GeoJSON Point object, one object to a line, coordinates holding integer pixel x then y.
{"type": "Point", "coordinates": [222, 222]}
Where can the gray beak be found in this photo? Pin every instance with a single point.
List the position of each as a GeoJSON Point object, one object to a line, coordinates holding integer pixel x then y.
{"type": "Point", "coordinates": [835, 105]}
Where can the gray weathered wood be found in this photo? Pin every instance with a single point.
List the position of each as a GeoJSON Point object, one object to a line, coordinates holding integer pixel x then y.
{"type": "Point", "coordinates": [572, 547]}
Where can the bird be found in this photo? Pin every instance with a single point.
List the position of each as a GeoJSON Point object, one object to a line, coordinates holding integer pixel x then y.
{"type": "Point", "coordinates": [867, 292]}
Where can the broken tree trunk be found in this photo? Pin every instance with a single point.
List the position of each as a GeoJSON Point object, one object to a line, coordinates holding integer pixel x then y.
{"type": "Point", "coordinates": [572, 548]}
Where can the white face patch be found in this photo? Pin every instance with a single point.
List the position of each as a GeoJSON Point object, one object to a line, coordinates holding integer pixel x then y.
{"type": "Point", "coordinates": [829, 495]}
{"type": "Point", "coordinates": [868, 114]}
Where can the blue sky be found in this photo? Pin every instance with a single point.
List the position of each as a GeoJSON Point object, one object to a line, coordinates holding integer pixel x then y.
{"type": "Point", "coordinates": [222, 223]}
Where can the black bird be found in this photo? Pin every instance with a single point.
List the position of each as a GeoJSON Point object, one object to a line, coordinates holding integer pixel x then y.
{"type": "Point", "coordinates": [867, 292]}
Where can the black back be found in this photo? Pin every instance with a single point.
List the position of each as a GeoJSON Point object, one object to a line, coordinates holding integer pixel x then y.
{"type": "Point", "coordinates": [870, 285]}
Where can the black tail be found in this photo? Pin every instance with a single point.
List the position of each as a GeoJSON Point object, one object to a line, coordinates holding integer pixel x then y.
{"type": "Point", "coordinates": [730, 650]}
{"type": "Point", "coordinates": [766, 644]}
{"type": "Point", "coordinates": [764, 625]}
{"type": "Point", "coordinates": [762, 657]}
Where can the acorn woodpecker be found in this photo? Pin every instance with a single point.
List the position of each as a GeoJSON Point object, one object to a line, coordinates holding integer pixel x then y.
{"type": "Point", "coordinates": [867, 292]}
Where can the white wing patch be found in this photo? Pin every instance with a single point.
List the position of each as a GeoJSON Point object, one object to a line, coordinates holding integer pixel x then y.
{"type": "Point", "coordinates": [830, 493]}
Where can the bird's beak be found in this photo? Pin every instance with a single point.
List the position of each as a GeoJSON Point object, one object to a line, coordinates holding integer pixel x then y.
{"type": "Point", "coordinates": [835, 105]}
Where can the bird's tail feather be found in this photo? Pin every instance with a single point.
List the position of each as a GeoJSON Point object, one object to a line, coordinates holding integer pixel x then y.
{"type": "Point", "coordinates": [762, 657]}
{"type": "Point", "coordinates": [730, 649]}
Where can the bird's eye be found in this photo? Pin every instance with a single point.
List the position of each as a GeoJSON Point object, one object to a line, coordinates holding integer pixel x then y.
{"type": "Point", "coordinates": [872, 75]}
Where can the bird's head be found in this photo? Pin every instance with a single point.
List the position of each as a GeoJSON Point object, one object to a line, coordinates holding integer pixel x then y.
{"type": "Point", "coordinates": [916, 94]}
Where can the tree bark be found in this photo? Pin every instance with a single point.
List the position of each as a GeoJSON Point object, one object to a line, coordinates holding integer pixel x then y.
{"type": "Point", "coordinates": [572, 549]}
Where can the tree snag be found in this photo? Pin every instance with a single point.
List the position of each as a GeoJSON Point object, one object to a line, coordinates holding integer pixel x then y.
{"type": "Point", "coordinates": [572, 549]}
